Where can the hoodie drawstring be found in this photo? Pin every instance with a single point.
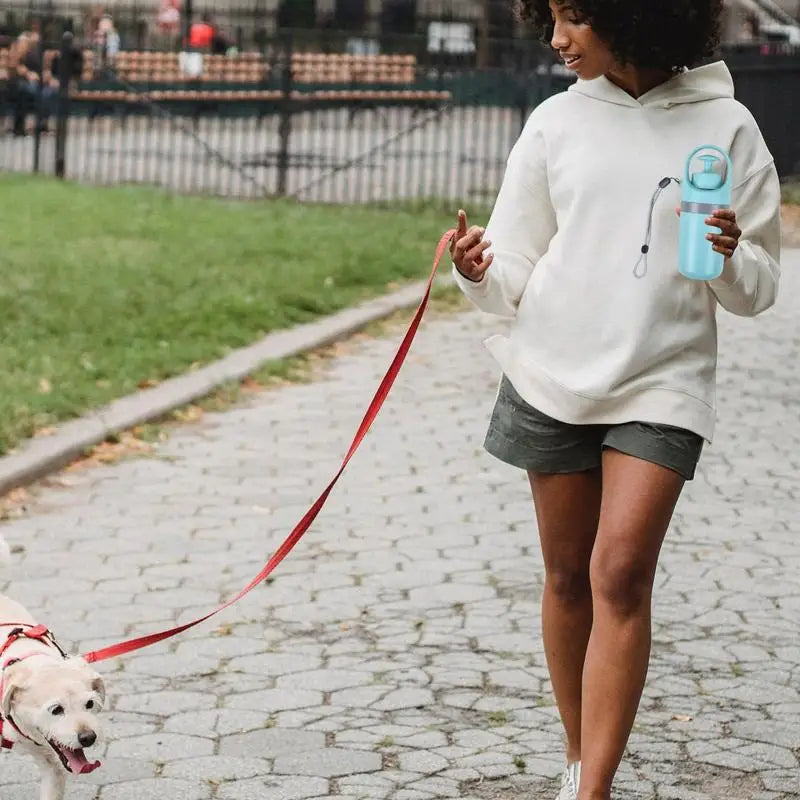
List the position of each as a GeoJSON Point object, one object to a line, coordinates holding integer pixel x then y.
{"type": "Point", "coordinates": [642, 262]}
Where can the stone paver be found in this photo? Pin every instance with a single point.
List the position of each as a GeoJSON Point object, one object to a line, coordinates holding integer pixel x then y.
{"type": "Point", "coordinates": [396, 652]}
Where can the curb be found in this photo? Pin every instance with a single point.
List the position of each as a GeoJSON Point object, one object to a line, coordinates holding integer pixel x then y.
{"type": "Point", "coordinates": [47, 454]}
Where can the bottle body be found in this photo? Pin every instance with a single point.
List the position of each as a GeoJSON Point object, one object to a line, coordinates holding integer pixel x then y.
{"type": "Point", "coordinates": [702, 193]}
{"type": "Point", "coordinates": [698, 260]}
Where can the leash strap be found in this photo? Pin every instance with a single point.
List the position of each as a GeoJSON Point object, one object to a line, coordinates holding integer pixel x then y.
{"type": "Point", "coordinates": [291, 540]}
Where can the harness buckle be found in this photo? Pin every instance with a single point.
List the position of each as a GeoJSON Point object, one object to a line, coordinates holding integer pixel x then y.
{"type": "Point", "coordinates": [38, 632]}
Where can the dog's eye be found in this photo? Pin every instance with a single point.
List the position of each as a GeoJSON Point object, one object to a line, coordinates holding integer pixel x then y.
{"type": "Point", "coordinates": [89, 705]}
{"type": "Point", "coordinates": [57, 711]}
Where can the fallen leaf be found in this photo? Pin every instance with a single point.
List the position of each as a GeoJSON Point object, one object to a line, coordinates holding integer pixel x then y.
{"type": "Point", "coordinates": [48, 430]}
{"type": "Point", "coordinates": [45, 387]}
{"type": "Point", "coordinates": [148, 383]}
{"type": "Point", "coordinates": [251, 384]}
{"type": "Point", "coordinates": [111, 451]}
{"type": "Point", "coordinates": [60, 481]}
{"type": "Point", "coordinates": [14, 505]}
{"type": "Point", "coordinates": [682, 717]}
{"type": "Point", "coordinates": [189, 414]}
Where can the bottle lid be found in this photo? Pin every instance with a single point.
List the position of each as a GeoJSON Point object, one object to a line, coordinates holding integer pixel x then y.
{"type": "Point", "coordinates": [708, 178]}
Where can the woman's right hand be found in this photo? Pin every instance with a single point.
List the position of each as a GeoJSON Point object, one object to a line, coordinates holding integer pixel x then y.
{"type": "Point", "coordinates": [468, 249]}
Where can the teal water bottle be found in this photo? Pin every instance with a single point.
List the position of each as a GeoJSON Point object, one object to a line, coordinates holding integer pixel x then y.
{"type": "Point", "coordinates": [702, 192]}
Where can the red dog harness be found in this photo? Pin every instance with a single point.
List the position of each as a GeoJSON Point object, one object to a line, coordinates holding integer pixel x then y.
{"type": "Point", "coordinates": [21, 630]}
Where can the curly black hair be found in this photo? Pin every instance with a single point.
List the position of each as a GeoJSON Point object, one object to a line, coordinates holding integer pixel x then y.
{"type": "Point", "coordinates": [656, 34]}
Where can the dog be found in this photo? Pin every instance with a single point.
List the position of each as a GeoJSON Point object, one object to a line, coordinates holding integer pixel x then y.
{"type": "Point", "coordinates": [49, 701]}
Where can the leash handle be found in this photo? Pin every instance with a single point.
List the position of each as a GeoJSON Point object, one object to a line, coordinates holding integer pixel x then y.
{"type": "Point", "coordinates": [140, 642]}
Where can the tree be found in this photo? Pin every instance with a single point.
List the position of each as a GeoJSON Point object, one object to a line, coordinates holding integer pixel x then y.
{"type": "Point", "coordinates": [351, 15]}
{"type": "Point", "coordinates": [297, 14]}
{"type": "Point", "coordinates": [399, 16]}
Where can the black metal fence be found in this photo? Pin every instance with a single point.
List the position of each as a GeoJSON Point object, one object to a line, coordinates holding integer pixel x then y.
{"type": "Point", "coordinates": [442, 136]}
{"type": "Point", "coordinates": [769, 85]}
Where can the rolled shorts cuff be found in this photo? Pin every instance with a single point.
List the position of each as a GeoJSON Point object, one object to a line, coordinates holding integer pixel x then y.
{"type": "Point", "coordinates": [524, 437]}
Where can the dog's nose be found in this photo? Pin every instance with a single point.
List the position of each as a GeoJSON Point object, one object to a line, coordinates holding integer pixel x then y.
{"type": "Point", "coordinates": [87, 738]}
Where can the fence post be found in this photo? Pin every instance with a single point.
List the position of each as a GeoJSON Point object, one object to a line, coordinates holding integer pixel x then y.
{"type": "Point", "coordinates": [286, 111]}
{"type": "Point", "coordinates": [523, 76]}
{"type": "Point", "coordinates": [141, 34]}
{"type": "Point", "coordinates": [440, 65]}
{"type": "Point", "coordinates": [38, 103]}
{"type": "Point", "coordinates": [188, 11]}
{"type": "Point", "coordinates": [62, 118]}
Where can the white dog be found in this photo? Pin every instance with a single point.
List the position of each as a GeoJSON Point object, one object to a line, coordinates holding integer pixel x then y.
{"type": "Point", "coordinates": [49, 701]}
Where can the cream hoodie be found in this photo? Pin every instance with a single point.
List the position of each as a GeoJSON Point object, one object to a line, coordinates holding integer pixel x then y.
{"type": "Point", "coordinates": [590, 342]}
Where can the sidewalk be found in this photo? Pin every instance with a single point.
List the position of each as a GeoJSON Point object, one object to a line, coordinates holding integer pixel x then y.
{"type": "Point", "coordinates": [396, 652]}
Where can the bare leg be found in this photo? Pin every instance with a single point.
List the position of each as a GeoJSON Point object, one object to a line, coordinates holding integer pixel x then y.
{"type": "Point", "coordinates": [638, 501]}
{"type": "Point", "coordinates": [567, 511]}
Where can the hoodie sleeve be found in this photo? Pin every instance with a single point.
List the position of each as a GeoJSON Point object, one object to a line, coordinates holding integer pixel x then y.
{"type": "Point", "coordinates": [749, 281]}
{"type": "Point", "coordinates": [520, 228]}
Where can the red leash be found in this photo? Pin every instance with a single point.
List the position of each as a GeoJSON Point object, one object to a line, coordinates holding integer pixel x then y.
{"type": "Point", "coordinates": [305, 523]}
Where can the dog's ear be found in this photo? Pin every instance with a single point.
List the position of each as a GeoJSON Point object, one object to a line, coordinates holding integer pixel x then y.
{"type": "Point", "coordinates": [95, 679]}
{"type": "Point", "coordinates": [15, 678]}
{"type": "Point", "coordinates": [99, 686]}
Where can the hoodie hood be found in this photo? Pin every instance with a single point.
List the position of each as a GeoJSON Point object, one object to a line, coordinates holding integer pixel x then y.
{"type": "Point", "coordinates": [709, 82]}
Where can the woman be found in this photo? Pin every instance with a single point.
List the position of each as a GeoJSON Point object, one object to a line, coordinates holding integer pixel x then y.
{"type": "Point", "coordinates": [608, 385]}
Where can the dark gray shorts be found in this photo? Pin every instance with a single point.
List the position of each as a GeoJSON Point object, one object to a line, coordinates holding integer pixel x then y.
{"type": "Point", "coordinates": [526, 438]}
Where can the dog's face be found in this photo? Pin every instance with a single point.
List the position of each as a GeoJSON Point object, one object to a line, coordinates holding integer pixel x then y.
{"type": "Point", "coordinates": [56, 703]}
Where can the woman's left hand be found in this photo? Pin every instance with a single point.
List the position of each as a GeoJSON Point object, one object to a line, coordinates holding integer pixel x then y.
{"type": "Point", "coordinates": [727, 241]}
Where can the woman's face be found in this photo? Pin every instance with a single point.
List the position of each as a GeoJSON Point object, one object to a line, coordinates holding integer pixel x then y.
{"type": "Point", "coordinates": [581, 49]}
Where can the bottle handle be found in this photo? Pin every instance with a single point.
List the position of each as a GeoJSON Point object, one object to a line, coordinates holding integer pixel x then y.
{"type": "Point", "coordinates": [725, 156]}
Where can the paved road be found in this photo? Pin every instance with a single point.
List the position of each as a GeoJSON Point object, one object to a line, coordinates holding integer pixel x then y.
{"type": "Point", "coordinates": [396, 654]}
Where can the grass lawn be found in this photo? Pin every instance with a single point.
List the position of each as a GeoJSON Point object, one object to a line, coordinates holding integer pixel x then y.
{"type": "Point", "coordinates": [791, 213]}
{"type": "Point", "coordinates": [791, 192]}
{"type": "Point", "coordinates": [107, 290]}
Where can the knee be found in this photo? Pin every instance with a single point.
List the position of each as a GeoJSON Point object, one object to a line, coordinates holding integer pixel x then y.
{"type": "Point", "coordinates": [621, 583]}
{"type": "Point", "coordinates": [569, 585]}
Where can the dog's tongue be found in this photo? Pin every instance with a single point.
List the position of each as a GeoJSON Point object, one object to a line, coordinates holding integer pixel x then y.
{"type": "Point", "coordinates": [78, 765]}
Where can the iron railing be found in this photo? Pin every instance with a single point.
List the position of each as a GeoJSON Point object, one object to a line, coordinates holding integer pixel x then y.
{"type": "Point", "coordinates": [443, 136]}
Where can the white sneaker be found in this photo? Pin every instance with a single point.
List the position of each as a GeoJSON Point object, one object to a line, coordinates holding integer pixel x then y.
{"type": "Point", "coordinates": [570, 781]}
